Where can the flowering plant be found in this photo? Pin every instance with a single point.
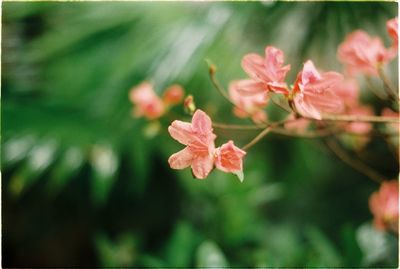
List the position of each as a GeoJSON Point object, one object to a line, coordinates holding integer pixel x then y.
{"type": "Point", "coordinates": [318, 104]}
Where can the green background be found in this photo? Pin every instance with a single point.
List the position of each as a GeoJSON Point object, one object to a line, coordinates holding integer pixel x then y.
{"type": "Point", "coordinates": [86, 184]}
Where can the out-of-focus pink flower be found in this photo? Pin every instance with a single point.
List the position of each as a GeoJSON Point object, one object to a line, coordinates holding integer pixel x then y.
{"type": "Point", "coordinates": [387, 112]}
{"type": "Point", "coordinates": [359, 127]}
{"type": "Point", "coordinates": [229, 159]}
{"type": "Point", "coordinates": [146, 102]}
{"type": "Point", "coordinates": [349, 91]}
{"type": "Point", "coordinates": [298, 125]}
{"type": "Point", "coordinates": [313, 94]}
{"type": "Point", "coordinates": [363, 54]}
{"type": "Point", "coordinates": [393, 28]}
{"type": "Point", "coordinates": [384, 205]}
{"type": "Point", "coordinates": [247, 104]}
{"type": "Point", "coordinates": [173, 95]}
{"type": "Point", "coordinates": [198, 137]}
{"type": "Point", "coordinates": [268, 70]}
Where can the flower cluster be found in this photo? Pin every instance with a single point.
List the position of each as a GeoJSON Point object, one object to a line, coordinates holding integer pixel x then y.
{"type": "Point", "coordinates": [314, 96]}
{"type": "Point", "coordinates": [149, 105]}
{"type": "Point", "coordinates": [384, 205]}
{"type": "Point", "coordinates": [200, 152]}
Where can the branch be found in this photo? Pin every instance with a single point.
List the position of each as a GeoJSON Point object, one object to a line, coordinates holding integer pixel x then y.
{"type": "Point", "coordinates": [355, 163]}
{"type": "Point", "coordinates": [257, 138]}
{"type": "Point", "coordinates": [377, 119]}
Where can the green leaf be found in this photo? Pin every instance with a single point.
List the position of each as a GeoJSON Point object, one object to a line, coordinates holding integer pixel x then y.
{"type": "Point", "coordinates": [210, 256]}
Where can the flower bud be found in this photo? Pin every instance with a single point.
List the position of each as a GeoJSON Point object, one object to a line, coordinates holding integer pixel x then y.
{"type": "Point", "coordinates": [173, 95]}
{"type": "Point", "coordinates": [189, 105]}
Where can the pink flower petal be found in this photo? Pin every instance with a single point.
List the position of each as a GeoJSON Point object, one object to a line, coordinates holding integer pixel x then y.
{"type": "Point", "coordinates": [384, 205]}
{"type": "Point", "coordinates": [313, 94]}
{"type": "Point", "coordinates": [201, 122]}
{"type": "Point", "coordinates": [229, 158]}
{"type": "Point", "coordinates": [181, 131]}
{"type": "Point", "coordinates": [181, 159]}
{"type": "Point", "coordinates": [199, 138]}
{"type": "Point", "coordinates": [362, 53]}
{"type": "Point", "coordinates": [249, 97]}
{"type": "Point", "coordinates": [173, 95]}
{"type": "Point", "coordinates": [269, 70]}
{"type": "Point", "coordinates": [202, 166]}
{"type": "Point", "coordinates": [393, 29]}
{"type": "Point", "coordinates": [146, 102]}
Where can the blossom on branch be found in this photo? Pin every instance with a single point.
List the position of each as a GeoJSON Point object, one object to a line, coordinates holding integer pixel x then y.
{"type": "Point", "coordinates": [384, 205]}
{"type": "Point", "coordinates": [149, 105]}
{"type": "Point", "coordinates": [173, 95]}
{"type": "Point", "coordinates": [200, 152]}
{"type": "Point", "coordinates": [198, 137]}
{"type": "Point", "coordinates": [349, 91]}
{"type": "Point", "coordinates": [313, 93]}
{"type": "Point", "coordinates": [248, 103]}
{"type": "Point", "coordinates": [268, 71]}
{"type": "Point", "coordinates": [393, 28]}
{"type": "Point", "coordinates": [362, 53]}
{"type": "Point", "coordinates": [146, 101]}
{"type": "Point", "coordinates": [229, 159]}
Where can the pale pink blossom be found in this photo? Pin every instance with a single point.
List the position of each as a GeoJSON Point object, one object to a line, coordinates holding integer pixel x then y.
{"type": "Point", "coordinates": [349, 91]}
{"type": "Point", "coordinates": [268, 71]}
{"type": "Point", "coordinates": [393, 28]}
{"type": "Point", "coordinates": [387, 112]}
{"type": "Point", "coordinates": [173, 95]}
{"type": "Point", "coordinates": [299, 125]}
{"type": "Point", "coordinates": [359, 127]}
{"type": "Point", "coordinates": [147, 103]}
{"type": "Point", "coordinates": [198, 137]}
{"type": "Point", "coordinates": [313, 92]}
{"type": "Point", "coordinates": [247, 104]}
{"type": "Point", "coordinates": [362, 53]}
{"type": "Point", "coordinates": [229, 159]}
{"type": "Point", "coordinates": [384, 205]}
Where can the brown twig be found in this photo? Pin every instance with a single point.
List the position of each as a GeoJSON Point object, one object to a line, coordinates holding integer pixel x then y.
{"type": "Point", "coordinates": [355, 163]}
{"type": "Point", "coordinates": [257, 138]}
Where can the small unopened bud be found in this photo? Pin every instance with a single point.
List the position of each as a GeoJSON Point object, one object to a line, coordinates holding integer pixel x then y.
{"type": "Point", "coordinates": [173, 95]}
{"type": "Point", "coordinates": [189, 105]}
{"type": "Point", "coordinates": [212, 69]}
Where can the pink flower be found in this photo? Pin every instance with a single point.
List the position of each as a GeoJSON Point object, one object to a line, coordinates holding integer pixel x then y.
{"type": "Point", "coordinates": [384, 205]}
{"type": "Point", "coordinates": [349, 91]}
{"type": "Point", "coordinates": [362, 53]}
{"type": "Point", "coordinates": [146, 102]}
{"type": "Point", "coordinates": [248, 104]}
{"type": "Point", "coordinates": [313, 94]}
{"type": "Point", "coordinates": [299, 125]}
{"type": "Point", "coordinates": [229, 159]}
{"type": "Point", "coordinates": [198, 137]}
{"type": "Point", "coordinates": [173, 95]}
{"type": "Point", "coordinates": [393, 28]}
{"type": "Point", "coordinates": [268, 71]}
{"type": "Point", "coordinates": [360, 127]}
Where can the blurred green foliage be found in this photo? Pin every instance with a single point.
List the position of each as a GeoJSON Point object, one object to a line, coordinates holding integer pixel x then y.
{"type": "Point", "coordinates": [84, 184]}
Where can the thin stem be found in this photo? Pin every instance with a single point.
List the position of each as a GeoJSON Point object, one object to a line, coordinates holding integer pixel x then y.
{"type": "Point", "coordinates": [391, 91]}
{"type": "Point", "coordinates": [308, 134]}
{"type": "Point", "coordinates": [355, 163]}
{"type": "Point", "coordinates": [217, 85]}
{"type": "Point", "coordinates": [238, 126]}
{"type": "Point", "coordinates": [257, 138]}
{"type": "Point", "coordinates": [377, 119]}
